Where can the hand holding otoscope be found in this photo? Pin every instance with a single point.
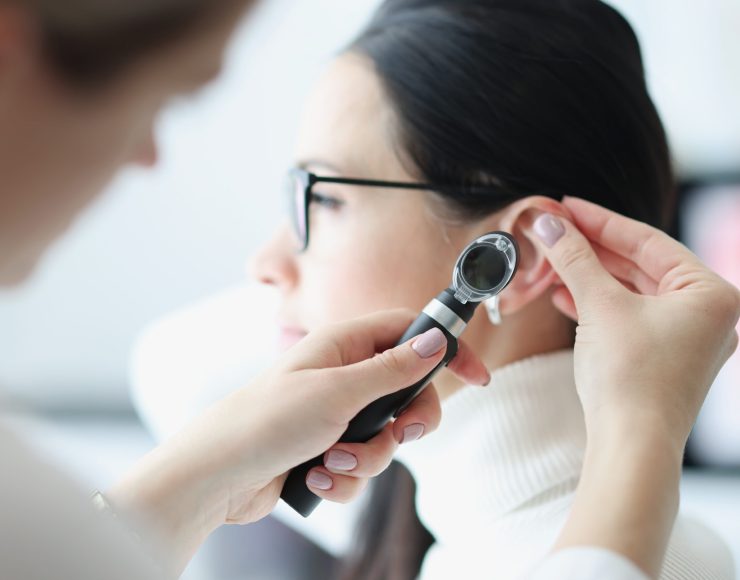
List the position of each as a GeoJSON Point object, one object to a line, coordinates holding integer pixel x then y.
{"type": "Point", "coordinates": [482, 272]}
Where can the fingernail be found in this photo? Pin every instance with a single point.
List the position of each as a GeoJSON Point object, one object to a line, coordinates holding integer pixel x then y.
{"type": "Point", "coordinates": [340, 460]}
{"type": "Point", "coordinates": [430, 343]}
{"type": "Point", "coordinates": [412, 433]}
{"type": "Point", "coordinates": [319, 480]}
{"type": "Point", "coordinates": [549, 229]}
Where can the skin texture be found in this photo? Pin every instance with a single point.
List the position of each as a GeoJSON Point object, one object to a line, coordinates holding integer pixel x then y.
{"type": "Point", "coordinates": [377, 248]}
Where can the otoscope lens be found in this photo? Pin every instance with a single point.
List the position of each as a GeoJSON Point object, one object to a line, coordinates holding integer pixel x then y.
{"type": "Point", "coordinates": [484, 268]}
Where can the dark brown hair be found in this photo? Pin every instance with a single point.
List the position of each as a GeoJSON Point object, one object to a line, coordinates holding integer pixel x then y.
{"type": "Point", "coordinates": [391, 542]}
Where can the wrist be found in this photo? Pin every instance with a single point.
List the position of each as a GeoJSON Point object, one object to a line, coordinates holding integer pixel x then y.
{"type": "Point", "coordinates": [628, 496]}
{"type": "Point", "coordinates": [181, 506]}
{"type": "Point", "coordinates": [634, 452]}
{"type": "Point", "coordinates": [635, 434]}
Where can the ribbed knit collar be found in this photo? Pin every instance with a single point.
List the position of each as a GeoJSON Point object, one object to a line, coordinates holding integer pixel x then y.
{"type": "Point", "coordinates": [500, 447]}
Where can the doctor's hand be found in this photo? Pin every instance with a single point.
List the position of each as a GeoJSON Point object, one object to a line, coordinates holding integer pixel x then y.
{"type": "Point", "coordinates": [229, 465]}
{"type": "Point", "coordinates": [655, 326]}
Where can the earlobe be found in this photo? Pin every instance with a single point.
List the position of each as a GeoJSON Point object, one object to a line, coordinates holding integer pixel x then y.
{"type": "Point", "coordinates": [535, 276]}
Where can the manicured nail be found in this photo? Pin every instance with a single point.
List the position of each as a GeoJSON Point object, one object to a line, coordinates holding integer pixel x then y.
{"type": "Point", "coordinates": [319, 480]}
{"type": "Point", "coordinates": [549, 229]}
{"type": "Point", "coordinates": [430, 343]}
{"type": "Point", "coordinates": [412, 433]}
{"type": "Point", "coordinates": [340, 460]}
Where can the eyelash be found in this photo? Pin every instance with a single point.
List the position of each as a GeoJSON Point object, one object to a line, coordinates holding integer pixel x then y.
{"type": "Point", "coordinates": [326, 201]}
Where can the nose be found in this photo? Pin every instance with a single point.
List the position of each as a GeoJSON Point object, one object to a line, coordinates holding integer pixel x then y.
{"type": "Point", "coordinates": [274, 263]}
{"type": "Point", "coordinates": [146, 154]}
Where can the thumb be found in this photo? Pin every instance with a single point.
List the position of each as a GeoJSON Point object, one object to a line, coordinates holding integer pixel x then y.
{"type": "Point", "coordinates": [573, 258]}
{"type": "Point", "coordinates": [392, 370]}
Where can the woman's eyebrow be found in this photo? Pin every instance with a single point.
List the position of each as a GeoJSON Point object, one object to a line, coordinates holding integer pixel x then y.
{"type": "Point", "coordinates": [320, 164]}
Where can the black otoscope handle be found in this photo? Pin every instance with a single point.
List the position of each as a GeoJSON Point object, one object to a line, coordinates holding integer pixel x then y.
{"type": "Point", "coordinates": [369, 422]}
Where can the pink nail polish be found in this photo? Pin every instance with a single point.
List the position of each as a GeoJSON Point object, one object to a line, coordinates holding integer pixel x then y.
{"type": "Point", "coordinates": [319, 480]}
{"type": "Point", "coordinates": [340, 460]}
{"type": "Point", "coordinates": [549, 229]}
{"type": "Point", "coordinates": [430, 343]}
{"type": "Point", "coordinates": [412, 433]}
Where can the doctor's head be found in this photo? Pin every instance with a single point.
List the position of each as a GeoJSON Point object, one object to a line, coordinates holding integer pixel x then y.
{"type": "Point", "coordinates": [502, 107]}
{"type": "Point", "coordinates": [81, 83]}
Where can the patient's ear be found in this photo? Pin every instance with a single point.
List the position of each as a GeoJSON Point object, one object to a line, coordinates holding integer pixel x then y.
{"type": "Point", "coordinates": [535, 276]}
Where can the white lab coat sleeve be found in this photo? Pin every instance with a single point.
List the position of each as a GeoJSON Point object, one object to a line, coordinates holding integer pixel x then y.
{"type": "Point", "coordinates": [49, 529]}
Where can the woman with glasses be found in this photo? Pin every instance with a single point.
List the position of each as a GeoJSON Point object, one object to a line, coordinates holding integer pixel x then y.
{"type": "Point", "coordinates": [442, 121]}
{"type": "Point", "coordinates": [80, 83]}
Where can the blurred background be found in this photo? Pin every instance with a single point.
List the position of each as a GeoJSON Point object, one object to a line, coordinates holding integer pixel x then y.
{"type": "Point", "coordinates": [162, 241]}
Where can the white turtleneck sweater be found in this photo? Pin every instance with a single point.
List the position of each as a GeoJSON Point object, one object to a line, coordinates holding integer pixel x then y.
{"type": "Point", "coordinates": [495, 483]}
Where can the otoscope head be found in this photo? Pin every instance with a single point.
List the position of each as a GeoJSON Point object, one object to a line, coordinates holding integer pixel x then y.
{"type": "Point", "coordinates": [485, 268]}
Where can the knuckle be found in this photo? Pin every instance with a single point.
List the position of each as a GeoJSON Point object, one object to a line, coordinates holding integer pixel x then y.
{"type": "Point", "coordinates": [573, 255]}
{"type": "Point", "coordinates": [726, 305]}
{"type": "Point", "coordinates": [391, 361]}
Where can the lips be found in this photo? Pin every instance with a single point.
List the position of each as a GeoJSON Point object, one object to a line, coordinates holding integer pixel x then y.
{"type": "Point", "coordinates": [290, 336]}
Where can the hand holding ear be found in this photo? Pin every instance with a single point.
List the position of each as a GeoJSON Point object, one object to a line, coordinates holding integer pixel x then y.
{"type": "Point", "coordinates": [654, 324]}
{"type": "Point", "coordinates": [654, 328]}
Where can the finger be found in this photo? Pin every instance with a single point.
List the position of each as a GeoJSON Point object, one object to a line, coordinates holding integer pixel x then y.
{"type": "Point", "coordinates": [362, 338]}
{"type": "Point", "coordinates": [362, 383]}
{"type": "Point", "coordinates": [626, 271]}
{"type": "Point", "coordinates": [573, 259]}
{"type": "Point", "coordinates": [653, 251]}
{"type": "Point", "coordinates": [363, 459]}
{"type": "Point", "coordinates": [563, 301]}
{"type": "Point", "coordinates": [334, 487]}
{"type": "Point", "coordinates": [468, 366]}
{"type": "Point", "coordinates": [421, 418]}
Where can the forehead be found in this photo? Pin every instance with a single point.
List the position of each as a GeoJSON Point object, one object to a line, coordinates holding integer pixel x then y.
{"type": "Point", "coordinates": [349, 122]}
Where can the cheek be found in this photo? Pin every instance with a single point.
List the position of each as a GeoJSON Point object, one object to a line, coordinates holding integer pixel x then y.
{"type": "Point", "coordinates": [348, 287]}
{"type": "Point", "coordinates": [365, 268]}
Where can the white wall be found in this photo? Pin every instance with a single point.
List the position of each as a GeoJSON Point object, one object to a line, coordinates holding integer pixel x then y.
{"type": "Point", "coordinates": [162, 239]}
{"type": "Point", "coordinates": [692, 55]}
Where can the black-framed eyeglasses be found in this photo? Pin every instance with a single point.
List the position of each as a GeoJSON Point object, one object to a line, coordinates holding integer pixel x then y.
{"type": "Point", "coordinates": [300, 184]}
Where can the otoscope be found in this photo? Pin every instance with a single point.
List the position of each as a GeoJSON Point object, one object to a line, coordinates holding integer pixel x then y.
{"type": "Point", "coordinates": [481, 273]}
